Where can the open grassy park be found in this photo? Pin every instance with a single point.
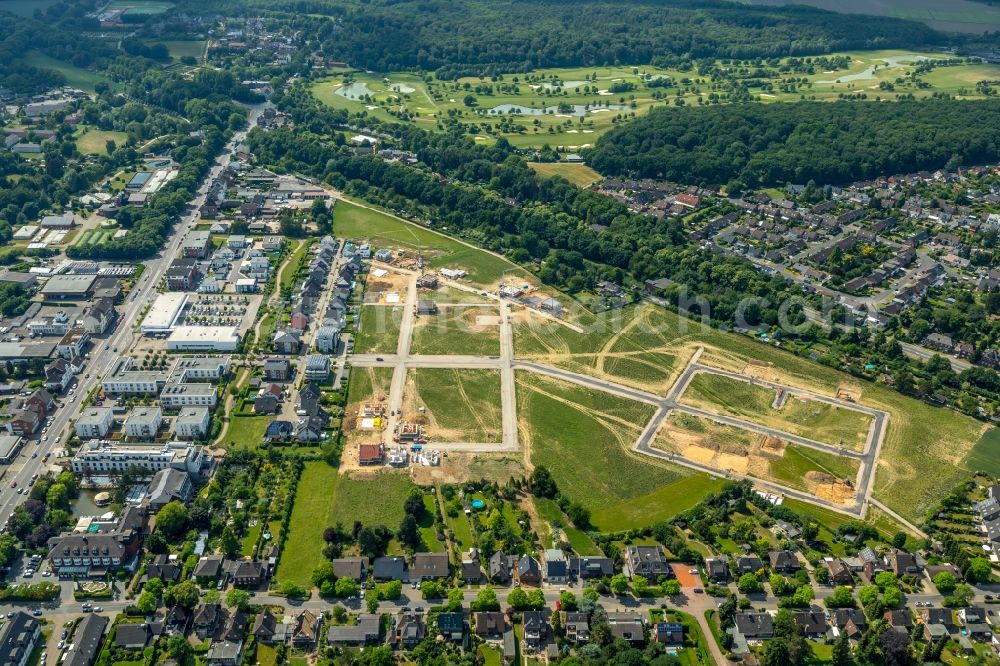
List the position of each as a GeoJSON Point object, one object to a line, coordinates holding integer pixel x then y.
{"type": "Point", "coordinates": [454, 405]}
{"type": "Point", "coordinates": [458, 330]}
{"type": "Point", "coordinates": [838, 426]}
{"type": "Point", "coordinates": [75, 76]}
{"type": "Point", "coordinates": [94, 141]}
{"type": "Point", "coordinates": [357, 223]}
{"type": "Point", "coordinates": [579, 174]}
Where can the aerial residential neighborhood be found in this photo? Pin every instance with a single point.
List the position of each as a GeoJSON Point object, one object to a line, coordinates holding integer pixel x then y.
{"type": "Point", "coordinates": [480, 333]}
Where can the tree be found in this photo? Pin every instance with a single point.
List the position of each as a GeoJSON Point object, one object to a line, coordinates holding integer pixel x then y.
{"type": "Point", "coordinates": [409, 531]}
{"type": "Point", "coordinates": [57, 497]}
{"type": "Point", "coordinates": [346, 587]}
{"type": "Point", "coordinates": [841, 651]}
{"type": "Point", "coordinates": [390, 591]}
{"type": "Point", "coordinates": [486, 600]}
{"type": "Point", "coordinates": [237, 599]}
{"type": "Point", "coordinates": [455, 600]}
{"type": "Point", "coordinates": [961, 596]}
{"type": "Point", "coordinates": [536, 599]}
{"type": "Point", "coordinates": [8, 549]}
{"type": "Point", "coordinates": [885, 579]}
{"type": "Point", "coordinates": [568, 602]}
{"type": "Point", "coordinates": [619, 584]}
{"type": "Point", "coordinates": [518, 599]}
{"type": "Point", "coordinates": [899, 539]}
{"type": "Point", "coordinates": [432, 590]}
{"type": "Point", "coordinates": [672, 587]}
{"type": "Point", "coordinates": [154, 586]}
{"type": "Point", "coordinates": [172, 519]}
{"type": "Point", "coordinates": [185, 594]}
{"type": "Point", "coordinates": [868, 594]}
{"type": "Point", "coordinates": [748, 583]}
{"type": "Point", "coordinates": [372, 603]}
{"type": "Point", "coordinates": [146, 603]}
{"type": "Point", "coordinates": [323, 573]}
{"type": "Point", "coordinates": [292, 590]}
{"type": "Point", "coordinates": [842, 597]}
{"type": "Point", "coordinates": [979, 570]}
{"type": "Point", "coordinates": [541, 482]}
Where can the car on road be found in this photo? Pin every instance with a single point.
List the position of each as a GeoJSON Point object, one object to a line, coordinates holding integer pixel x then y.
{"type": "Point", "coordinates": [34, 454]}
{"type": "Point", "coordinates": [46, 574]}
{"type": "Point", "coordinates": [698, 590]}
{"type": "Point", "coordinates": [13, 484]}
{"type": "Point", "coordinates": [37, 613]}
{"type": "Point", "coordinates": [61, 645]}
{"type": "Point", "coordinates": [98, 609]}
{"type": "Point", "coordinates": [64, 634]}
{"type": "Point", "coordinates": [379, 358]}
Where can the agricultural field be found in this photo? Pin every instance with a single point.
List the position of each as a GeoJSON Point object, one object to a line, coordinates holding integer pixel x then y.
{"type": "Point", "coordinates": [644, 347]}
{"type": "Point", "coordinates": [94, 141]}
{"type": "Point", "coordinates": [95, 236]}
{"type": "Point", "coordinates": [379, 329]}
{"type": "Point", "coordinates": [830, 424]}
{"type": "Point", "coordinates": [580, 175]}
{"type": "Point", "coordinates": [952, 16]}
{"type": "Point", "coordinates": [473, 331]}
{"type": "Point", "coordinates": [569, 108]}
{"type": "Point", "coordinates": [582, 436]}
{"type": "Point", "coordinates": [454, 405]}
{"type": "Point", "coordinates": [357, 223]}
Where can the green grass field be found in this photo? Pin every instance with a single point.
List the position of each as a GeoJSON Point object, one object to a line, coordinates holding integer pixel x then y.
{"type": "Point", "coordinates": [246, 430]}
{"type": "Point", "coordinates": [580, 175]}
{"type": "Point", "coordinates": [985, 455]}
{"type": "Point", "coordinates": [458, 331]}
{"type": "Point", "coordinates": [635, 346]}
{"type": "Point", "coordinates": [461, 405]}
{"type": "Point", "coordinates": [371, 501]}
{"type": "Point", "coordinates": [75, 76]}
{"type": "Point", "coordinates": [312, 512]}
{"type": "Point", "coordinates": [822, 422]}
{"type": "Point", "coordinates": [582, 437]}
{"type": "Point", "coordinates": [366, 383]}
{"type": "Point", "coordinates": [289, 270]}
{"type": "Point", "coordinates": [798, 461]}
{"type": "Point", "coordinates": [179, 49]}
{"type": "Point", "coordinates": [379, 331]}
{"type": "Point", "coordinates": [926, 449]}
{"type": "Point", "coordinates": [357, 223]}
{"type": "Point", "coordinates": [95, 237]}
{"type": "Point", "coordinates": [94, 141]}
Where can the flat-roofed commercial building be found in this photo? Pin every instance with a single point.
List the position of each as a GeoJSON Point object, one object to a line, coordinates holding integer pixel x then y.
{"type": "Point", "coordinates": [204, 338]}
{"type": "Point", "coordinates": [161, 318]}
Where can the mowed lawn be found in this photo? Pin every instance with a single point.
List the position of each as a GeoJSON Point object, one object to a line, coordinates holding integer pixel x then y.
{"type": "Point", "coordinates": [458, 330]}
{"type": "Point", "coordinates": [312, 513]}
{"type": "Point", "coordinates": [462, 404]}
{"type": "Point", "coordinates": [357, 223]}
{"type": "Point", "coordinates": [379, 329]}
{"type": "Point", "coordinates": [94, 141]}
{"type": "Point", "coordinates": [371, 501]}
{"type": "Point", "coordinates": [822, 422]}
{"type": "Point", "coordinates": [583, 436]}
{"type": "Point", "coordinates": [580, 175]}
{"type": "Point", "coordinates": [246, 430]}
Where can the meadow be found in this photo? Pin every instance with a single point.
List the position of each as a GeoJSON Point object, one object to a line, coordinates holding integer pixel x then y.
{"type": "Point", "coordinates": [582, 436]}
{"type": "Point", "coordinates": [458, 330]}
{"type": "Point", "coordinates": [379, 330]}
{"type": "Point", "coordinates": [75, 76]}
{"type": "Point", "coordinates": [358, 223]}
{"type": "Point", "coordinates": [460, 405]}
{"type": "Point", "coordinates": [311, 514]}
{"type": "Point", "coordinates": [94, 141]}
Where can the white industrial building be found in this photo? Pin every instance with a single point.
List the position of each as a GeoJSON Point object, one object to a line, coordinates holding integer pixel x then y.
{"type": "Point", "coordinates": [204, 338]}
{"type": "Point", "coordinates": [161, 318]}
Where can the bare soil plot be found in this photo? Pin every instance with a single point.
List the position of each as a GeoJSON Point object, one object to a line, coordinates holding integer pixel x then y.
{"type": "Point", "coordinates": [454, 405]}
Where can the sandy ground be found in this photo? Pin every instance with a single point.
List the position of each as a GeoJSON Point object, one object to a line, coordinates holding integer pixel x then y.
{"type": "Point", "coordinates": [683, 577]}
{"type": "Point", "coordinates": [826, 487]}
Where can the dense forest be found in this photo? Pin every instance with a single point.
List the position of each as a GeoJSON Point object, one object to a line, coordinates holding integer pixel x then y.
{"type": "Point", "coordinates": [459, 37]}
{"type": "Point", "coordinates": [760, 144]}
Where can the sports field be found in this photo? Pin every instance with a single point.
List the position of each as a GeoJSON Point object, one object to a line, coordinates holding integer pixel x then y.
{"type": "Point", "coordinates": [454, 405]}
{"type": "Point", "coordinates": [94, 141]}
{"type": "Point", "coordinates": [570, 108]}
